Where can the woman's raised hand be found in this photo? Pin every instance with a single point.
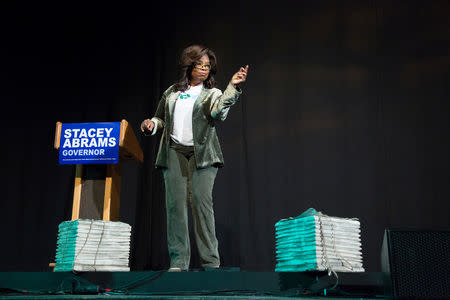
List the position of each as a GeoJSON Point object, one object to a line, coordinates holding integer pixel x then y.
{"type": "Point", "coordinates": [239, 76]}
{"type": "Point", "coordinates": [147, 125]}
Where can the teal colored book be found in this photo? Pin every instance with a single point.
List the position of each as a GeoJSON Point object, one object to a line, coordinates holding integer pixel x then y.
{"type": "Point", "coordinates": [313, 241]}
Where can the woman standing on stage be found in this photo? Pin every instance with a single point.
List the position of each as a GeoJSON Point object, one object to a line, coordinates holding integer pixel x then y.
{"type": "Point", "coordinates": [189, 153]}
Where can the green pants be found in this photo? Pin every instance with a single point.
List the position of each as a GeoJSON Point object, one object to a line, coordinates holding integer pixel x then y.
{"type": "Point", "coordinates": [185, 183]}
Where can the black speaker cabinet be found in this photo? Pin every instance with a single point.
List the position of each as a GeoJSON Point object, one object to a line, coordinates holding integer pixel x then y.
{"type": "Point", "coordinates": [416, 264]}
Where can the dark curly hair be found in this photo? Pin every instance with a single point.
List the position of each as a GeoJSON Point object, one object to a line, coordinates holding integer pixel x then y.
{"type": "Point", "coordinates": [189, 56]}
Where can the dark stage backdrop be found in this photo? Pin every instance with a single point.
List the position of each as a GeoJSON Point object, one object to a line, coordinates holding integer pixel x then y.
{"type": "Point", "coordinates": [345, 110]}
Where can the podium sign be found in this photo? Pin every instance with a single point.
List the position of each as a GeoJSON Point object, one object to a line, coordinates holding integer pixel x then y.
{"type": "Point", "coordinates": [89, 143]}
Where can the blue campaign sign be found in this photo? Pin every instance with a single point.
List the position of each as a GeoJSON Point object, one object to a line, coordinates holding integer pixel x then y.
{"type": "Point", "coordinates": [89, 143]}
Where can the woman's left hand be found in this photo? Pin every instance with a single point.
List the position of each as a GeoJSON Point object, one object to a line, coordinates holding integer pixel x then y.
{"type": "Point", "coordinates": [239, 76]}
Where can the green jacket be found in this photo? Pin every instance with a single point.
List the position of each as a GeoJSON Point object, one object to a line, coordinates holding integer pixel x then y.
{"type": "Point", "coordinates": [210, 106]}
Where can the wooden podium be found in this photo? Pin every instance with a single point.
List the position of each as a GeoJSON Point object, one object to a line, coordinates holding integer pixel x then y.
{"type": "Point", "coordinates": [97, 187]}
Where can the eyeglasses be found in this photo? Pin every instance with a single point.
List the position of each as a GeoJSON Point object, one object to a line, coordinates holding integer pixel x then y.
{"type": "Point", "coordinates": [199, 65]}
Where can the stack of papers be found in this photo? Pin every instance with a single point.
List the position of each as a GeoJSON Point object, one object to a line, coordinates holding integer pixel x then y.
{"type": "Point", "coordinates": [316, 242]}
{"type": "Point", "coordinates": [93, 245]}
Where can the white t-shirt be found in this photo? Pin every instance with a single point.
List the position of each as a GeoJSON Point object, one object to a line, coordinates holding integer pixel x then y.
{"type": "Point", "coordinates": [182, 116]}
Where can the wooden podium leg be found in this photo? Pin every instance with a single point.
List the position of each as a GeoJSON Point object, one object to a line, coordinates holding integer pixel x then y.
{"type": "Point", "coordinates": [77, 193]}
{"type": "Point", "coordinates": [112, 192]}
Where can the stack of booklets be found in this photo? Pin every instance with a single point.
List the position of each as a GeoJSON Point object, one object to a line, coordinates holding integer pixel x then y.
{"type": "Point", "coordinates": [317, 242]}
{"type": "Point", "coordinates": [93, 245]}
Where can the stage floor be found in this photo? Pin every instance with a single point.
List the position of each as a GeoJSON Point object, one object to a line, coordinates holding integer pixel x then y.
{"type": "Point", "coordinates": [218, 284]}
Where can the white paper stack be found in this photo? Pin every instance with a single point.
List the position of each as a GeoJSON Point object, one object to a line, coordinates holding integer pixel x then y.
{"type": "Point", "coordinates": [314, 241]}
{"type": "Point", "coordinates": [93, 245]}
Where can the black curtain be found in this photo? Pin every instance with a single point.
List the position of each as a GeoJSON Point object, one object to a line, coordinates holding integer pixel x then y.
{"type": "Point", "coordinates": [344, 111]}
